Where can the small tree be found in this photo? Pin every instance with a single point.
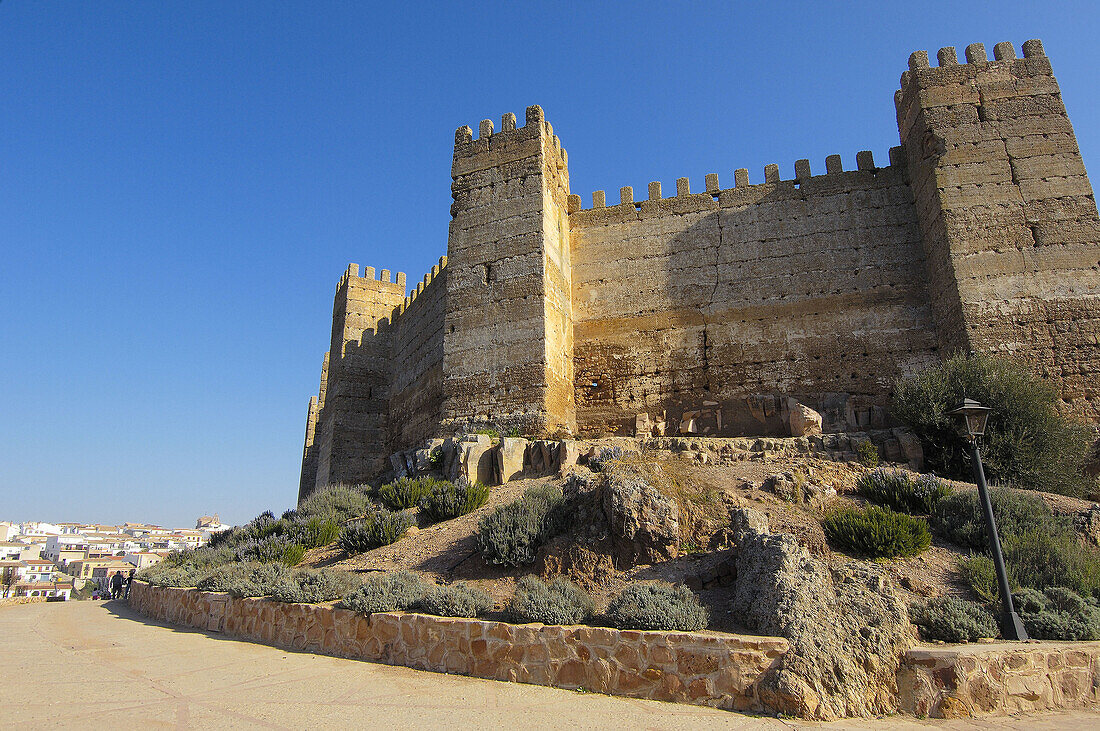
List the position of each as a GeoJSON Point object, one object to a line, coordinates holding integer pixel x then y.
{"type": "Point", "coordinates": [1028, 442]}
{"type": "Point", "coordinates": [8, 577]}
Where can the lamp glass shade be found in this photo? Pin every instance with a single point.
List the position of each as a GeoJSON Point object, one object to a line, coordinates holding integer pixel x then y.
{"type": "Point", "coordinates": [972, 416]}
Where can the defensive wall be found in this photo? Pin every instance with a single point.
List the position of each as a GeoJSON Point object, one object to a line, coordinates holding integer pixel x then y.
{"type": "Point", "coordinates": [708, 312]}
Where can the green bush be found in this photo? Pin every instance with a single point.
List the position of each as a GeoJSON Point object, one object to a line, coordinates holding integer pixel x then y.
{"type": "Point", "coordinates": [449, 500]}
{"type": "Point", "coordinates": [457, 600]}
{"type": "Point", "coordinates": [316, 531]}
{"type": "Point", "coordinates": [512, 534]}
{"type": "Point", "coordinates": [958, 517]}
{"type": "Point", "coordinates": [876, 532]}
{"type": "Point", "coordinates": [980, 574]}
{"type": "Point", "coordinates": [1028, 441]}
{"type": "Point", "coordinates": [245, 579]}
{"type": "Point", "coordinates": [378, 528]}
{"type": "Point", "coordinates": [900, 491]}
{"type": "Point", "coordinates": [951, 619]}
{"type": "Point", "coordinates": [337, 502]}
{"type": "Point", "coordinates": [1044, 558]}
{"type": "Point", "coordinates": [309, 586]}
{"type": "Point", "coordinates": [406, 493]}
{"type": "Point", "coordinates": [867, 454]}
{"type": "Point", "coordinates": [183, 575]}
{"type": "Point", "coordinates": [1058, 613]}
{"type": "Point", "coordinates": [559, 602]}
{"type": "Point", "coordinates": [657, 606]}
{"type": "Point", "coordinates": [393, 592]}
{"type": "Point", "coordinates": [1041, 550]}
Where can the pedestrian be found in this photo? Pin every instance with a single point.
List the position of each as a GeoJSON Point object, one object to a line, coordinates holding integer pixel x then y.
{"type": "Point", "coordinates": [130, 582]}
{"type": "Point", "coordinates": [116, 585]}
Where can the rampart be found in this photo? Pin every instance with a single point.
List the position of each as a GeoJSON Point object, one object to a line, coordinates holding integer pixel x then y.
{"type": "Point", "coordinates": [717, 312]}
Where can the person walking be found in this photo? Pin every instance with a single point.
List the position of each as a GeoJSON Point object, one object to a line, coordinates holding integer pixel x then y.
{"type": "Point", "coordinates": [116, 585]}
{"type": "Point", "coordinates": [130, 582]}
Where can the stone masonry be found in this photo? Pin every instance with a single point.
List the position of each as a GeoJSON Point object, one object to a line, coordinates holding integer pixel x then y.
{"type": "Point", "coordinates": [724, 311]}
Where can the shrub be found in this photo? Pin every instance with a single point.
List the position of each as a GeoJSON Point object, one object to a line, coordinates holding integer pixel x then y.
{"type": "Point", "coordinates": [392, 592]}
{"type": "Point", "coordinates": [450, 500]}
{"type": "Point", "coordinates": [1058, 613]}
{"type": "Point", "coordinates": [951, 619]}
{"type": "Point", "coordinates": [337, 502]}
{"type": "Point", "coordinates": [186, 574]}
{"type": "Point", "coordinates": [406, 494]}
{"type": "Point", "coordinates": [272, 547]}
{"type": "Point", "coordinates": [310, 586]}
{"type": "Point", "coordinates": [980, 574]}
{"type": "Point", "coordinates": [511, 534]}
{"type": "Point", "coordinates": [657, 606]}
{"type": "Point", "coordinates": [602, 459]}
{"type": "Point", "coordinates": [867, 454]}
{"type": "Point", "coordinates": [378, 528]}
{"type": "Point", "coordinates": [958, 517]}
{"type": "Point", "coordinates": [1045, 558]}
{"type": "Point", "coordinates": [900, 491]}
{"type": "Point", "coordinates": [245, 579]}
{"type": "Point", "coordinates": [1028, 442]}
{"type": "Point", "coordinates": [457, 600]}
{"type": "Point", "coordinates": [316, 531]}
{"type": "Point", "coordinates": [559, 602]}
{"type": "Point", "coordinates": [876, 532]}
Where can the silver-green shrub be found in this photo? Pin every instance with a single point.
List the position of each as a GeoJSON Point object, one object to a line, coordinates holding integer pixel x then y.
{"type": "Point", "coordinates": [398, 591]}
{"type": "Point", "coordinates": [511, 534]}
{"type": "Point", "coordinates": [456, 600]}
{"type": "Point", "coordinates": [309, 586]}
{"type": "Point", "coordinates": [559, 602]}
{"type": "Point", "coordinates": [378, 528]}
{"type": "Point", "coordinates": [951, 619]}
{"type": "Point", "coordinates": [659, 606]}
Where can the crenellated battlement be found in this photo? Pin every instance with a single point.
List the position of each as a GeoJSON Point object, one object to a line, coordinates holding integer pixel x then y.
{"type": "Point", "coordinates": [489, 139]}
{"type": "Point", "coordinates": [429, 278]}
{"type": "Point", "coordinates": [381, 280]}
{"type": "Point", "coordinates": [950, 71]}
{"type": "Point", "coordinates": [714, 195]}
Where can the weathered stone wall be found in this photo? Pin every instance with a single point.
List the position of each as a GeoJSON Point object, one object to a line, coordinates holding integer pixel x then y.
{"type": "Point", "coordinates": [983, 680]}
{"type": "Point", "coordinates": [416, 391]}
{"type": "Point", "coordinates": [507, 307]}
{"type": "Point", "coordinates": [811, 287]}
{"type": "Point", "coordinates": [350, 428]}
{"type": "Point", "coordinates": [1009, 217]}
{"type": "Point", "coordinates": [709, 669]}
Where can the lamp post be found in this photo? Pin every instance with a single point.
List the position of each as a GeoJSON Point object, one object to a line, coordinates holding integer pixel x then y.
{"type": "Point", "coordinates": [973, 417]}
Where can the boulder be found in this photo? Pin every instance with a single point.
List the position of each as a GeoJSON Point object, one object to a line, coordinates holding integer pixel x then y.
{"type": "Point", "coordinates": [847, 629]}
{"type": "Point", "coordinates": [644, 524]}
{"type": "Point", "coordinates": [643, 427]}
{"type": "Point", "coordinates": [568, 453]}
{"type": "Point", "coordinates": [475, 459]}
{"type": "Point", "coordinates": [803, 420]}
{"type": "Point", "coordinates": [397, 461]}
{"type": "Point", "coordinates": [1087, 523]}
{"type": "Point", "coordinates": [911, 449]}
{"type": "Point", "coordinates": [748, 520]}
{"type": "Point", "coordinates": [509, 458]}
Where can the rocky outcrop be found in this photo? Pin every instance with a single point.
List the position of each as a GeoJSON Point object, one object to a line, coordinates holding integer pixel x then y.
{"type": "Point", "coordinates": [847, 627]}
{"type": "Point", "coordinates": [644, 524]}
{"type": "Point", "coordinates": [802, 420]}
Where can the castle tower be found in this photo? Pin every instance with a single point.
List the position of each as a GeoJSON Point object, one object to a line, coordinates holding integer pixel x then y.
{"type": "Point", "coordinates": [508, 334]}
{"type": "Point", "coordinates": [347, 437]}
{"type": "Point", "coordinates": [1007, 213]}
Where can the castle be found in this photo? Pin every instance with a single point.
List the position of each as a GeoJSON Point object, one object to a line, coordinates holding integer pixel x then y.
{"type": "Point", "coordinates": [709, 311]}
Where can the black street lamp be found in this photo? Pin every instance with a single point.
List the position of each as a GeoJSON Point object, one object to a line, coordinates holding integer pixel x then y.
{"type": "Point", "coordinates": [973, 417]}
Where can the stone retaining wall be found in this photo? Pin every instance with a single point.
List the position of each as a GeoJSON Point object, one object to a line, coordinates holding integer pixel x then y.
{"type": "Point", "coordinates": [711, 669]}
{"type": "Point", "coordinates": [983, 680]}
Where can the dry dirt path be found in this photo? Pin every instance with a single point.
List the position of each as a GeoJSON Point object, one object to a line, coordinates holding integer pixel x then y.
{"type": "Point", "coordinates": [85, 664]}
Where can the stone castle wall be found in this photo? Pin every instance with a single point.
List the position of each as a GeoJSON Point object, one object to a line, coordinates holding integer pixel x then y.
{"type": "Point", "coordinates": [722, 312]}
{"type": "Point", "coordinates": [812, 287]}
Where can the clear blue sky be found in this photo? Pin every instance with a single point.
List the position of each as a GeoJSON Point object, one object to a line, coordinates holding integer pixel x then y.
{"type": "Point", "coordinates": [182, 183]}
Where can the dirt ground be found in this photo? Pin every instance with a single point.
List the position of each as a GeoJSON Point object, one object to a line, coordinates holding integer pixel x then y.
{"type": "Point", "coordinates": [706, 493]}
